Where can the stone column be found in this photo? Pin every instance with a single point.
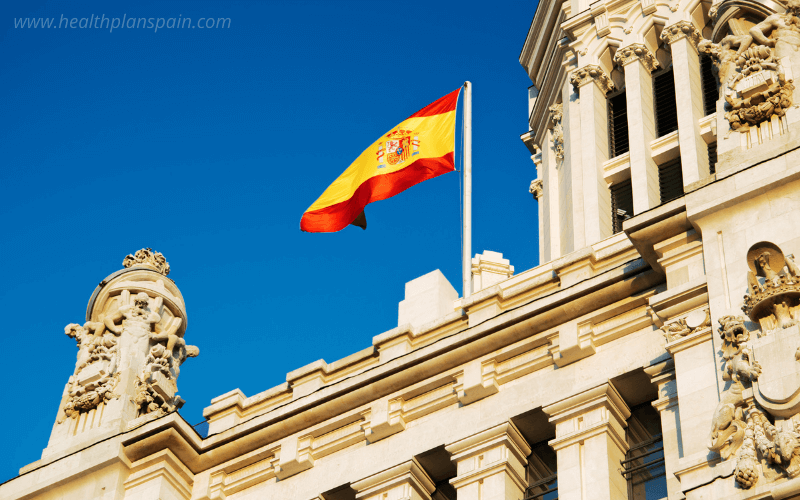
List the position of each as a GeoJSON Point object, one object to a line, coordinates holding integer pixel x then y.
{"type": "Point", "coordinates": [592, 84]}
{"type": "Point", "coordinates": [490, 464]}
{"type": "Point", "coordinates": [407, 481]}
{"type": "Point", "coordinates": [663, 375]}
{"type": "Point", "coordinates": [638, 63]}
{"type": "Point", "coordinates": [590, 444]}
{"type": "Point", "coordinates": [682, 38]}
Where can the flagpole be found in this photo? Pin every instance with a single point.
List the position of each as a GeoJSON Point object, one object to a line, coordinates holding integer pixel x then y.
{"type": "Point", "coordinates": [467, 167]}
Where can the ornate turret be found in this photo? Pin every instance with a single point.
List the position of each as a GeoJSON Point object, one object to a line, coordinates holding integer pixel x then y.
{"type": "Point", "coordinates": [130, 350]}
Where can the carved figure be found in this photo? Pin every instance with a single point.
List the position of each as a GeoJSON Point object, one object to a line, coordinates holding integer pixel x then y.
{"type": "Point", "coordinates": [725, 53]}
{"type": "Point", "coordinates": [727, 425]}
{"type": "Point", "coordinates": [771, 303]}
{"type": "Point", "coordinates": [135, 314]}
{"type": "Point", "coordinates": [783, 28]}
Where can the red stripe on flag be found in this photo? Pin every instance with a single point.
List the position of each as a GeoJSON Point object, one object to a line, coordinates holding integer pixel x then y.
{"type": "Point", "coordinates": [443, 105]}
{"type": "Point", "coordinates": [337, 217]}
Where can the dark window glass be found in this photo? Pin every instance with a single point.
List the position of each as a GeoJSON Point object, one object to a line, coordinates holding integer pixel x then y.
{"type": "Point", "coordinates": [664, 102]}
{"type": "Point", "coordinates": [541, 474]}
{"type": "Point", "coordinates": [643, 466]}
{"type": "Point", "coordinates": [670, 180]}
{"type": "Point", "coordinates": [710, 85]}
{"type": "Point", "coordinates": [621, 204]}
{"type": "Point", "coordinates": [617, 125]}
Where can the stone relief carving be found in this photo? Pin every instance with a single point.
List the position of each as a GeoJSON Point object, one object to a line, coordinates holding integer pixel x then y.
{"type": "Point", "coordinates": [95, 374]}
{"type": "Point", "coordinates": [536, 189]}
{"type": "Point", "coordinates": [753, 79]}
{"type": "Point", "coordinates": [636, 51]}
{"type": "Point", "coordinates": [556, 114]}
{"type": "Point", "coordinates": [773, 288]}
{"type": "Point", "coordinates": [756, 421]}
{"type": "Point", "coordinates": [146, 257]}
{"type": "Point", "coordinates": [681, 29]}
{"type": "Point", "coordinates": [591, 73]}
{"type": "Point", "coordinates": [156, 386]}
{"type": "Point", "coordinates": [683, 327]}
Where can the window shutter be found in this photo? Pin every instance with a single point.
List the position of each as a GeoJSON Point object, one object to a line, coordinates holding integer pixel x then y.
{"type": "Point", "coordinates": [621, 204]}
{"type": "Point", "coordinates": [670, 180]}
{"type": "Point", "coordinates": [617, 125]}
{"type": "Point", "coordinates": [664, 101]}
{"type": "Point", "coordinates": [712, 157]}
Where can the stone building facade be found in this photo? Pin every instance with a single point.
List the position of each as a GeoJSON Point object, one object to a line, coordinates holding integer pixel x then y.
{"type": "Point", "coordinates": [654, 354]}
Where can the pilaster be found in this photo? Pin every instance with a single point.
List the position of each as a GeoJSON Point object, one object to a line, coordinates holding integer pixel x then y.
{"type": "Point", "coordinates": [663, 376]}
{"type": "Point", "coordinates": [639, 62]}
{"type": "Point", "coordinates": [570, 175]}
{"type": "Point", "coordinates": [592, 85]}
{"type": "Point", "coordinates": [696, 377]}
{"type": "Point", "coordinates": [590, 444]}
{"type": "Point", "coordinates": [682, 38]}
{"type": "Point", "coordinates": [552, 160]}
{"type": "Point", "coordinates": [491, 464]}
{"type": "Point", "coordinates": [407, 481]}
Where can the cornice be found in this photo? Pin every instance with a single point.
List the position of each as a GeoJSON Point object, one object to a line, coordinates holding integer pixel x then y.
{"type": "Point", "coordinates": [634, 52]}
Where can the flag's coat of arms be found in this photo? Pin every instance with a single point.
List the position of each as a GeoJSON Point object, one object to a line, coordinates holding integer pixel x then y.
{"type": "Point", "coordinates": [399, 146]}
{"type": "Point", "coordinates": [420, 148]}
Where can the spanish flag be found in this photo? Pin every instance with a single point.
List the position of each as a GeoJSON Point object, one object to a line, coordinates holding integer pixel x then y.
{"type": "Point", "coordinates": [419, 148]}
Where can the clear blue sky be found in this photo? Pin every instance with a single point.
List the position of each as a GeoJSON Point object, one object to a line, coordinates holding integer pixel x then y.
{"type": "Point", "coordinates": [208, 145]}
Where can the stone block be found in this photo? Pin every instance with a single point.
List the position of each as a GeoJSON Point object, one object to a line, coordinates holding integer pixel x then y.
{"type": "Point", "coordinates": [489, 269]}
{"type": "Point", "coordinates": [428, 298]}
{"type": "Point", "coordinates": [92, 373]}
{"type": "Point", "coordinates": [163, 385]}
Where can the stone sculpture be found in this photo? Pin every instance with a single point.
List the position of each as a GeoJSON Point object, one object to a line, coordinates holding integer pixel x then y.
{"type": "Point", "coordinates": [133, 324]}
{"type": "Point", "coordinates": [755, 85]}
{"type": "Point", "coordinates": [146, 257]}
{"type": "Point", "coordinates": [742, 425]}
{"type": "Point", "coordinates": [772, 300]}
{"type": "Point", "coordinates": [95, 374]}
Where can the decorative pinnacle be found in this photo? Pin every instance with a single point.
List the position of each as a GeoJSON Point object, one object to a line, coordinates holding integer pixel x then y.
{"type": "Point", "coordinates": [147, 258]}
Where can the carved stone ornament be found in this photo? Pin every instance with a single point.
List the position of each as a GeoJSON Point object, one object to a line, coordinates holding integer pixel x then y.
{"type": "Point", "coordinates": [636, 51]}
{"type": "Point", "coordinates": [156, 385]}
{"type": "Point", "coordinates": [773, 293]}
{"type": "Point", "coordinates": [536, 189]}
{"type": "Point", "coordinates": [681, 29]}
{"type": "Point", "coordinates": [95, 374]}
{"type": "Point", "coordinates": [556, 114]}
{"type": "Point", "coordinates": [755, 85]}
{"type": "Point", "coordinates": [588, 74]}
{"type": "Point", "coordinates": [149, 259]}
{"type": "Point", "coordinates": [693, 322]}
{"type": "Point", "coordinates": [763, 374]}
